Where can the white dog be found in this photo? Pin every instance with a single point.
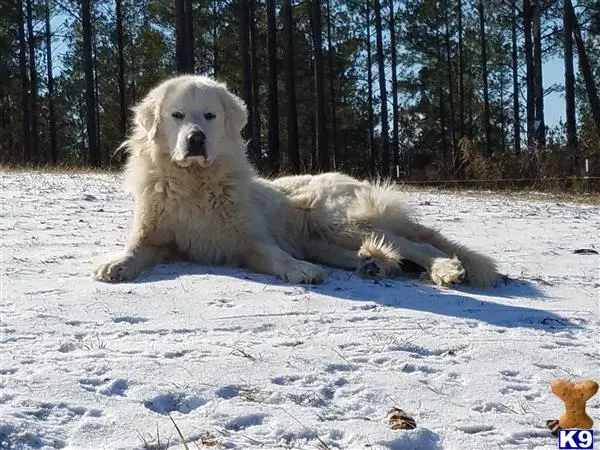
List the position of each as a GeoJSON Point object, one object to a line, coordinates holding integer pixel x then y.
{"type": "Point", "coordinates": [198, 198]}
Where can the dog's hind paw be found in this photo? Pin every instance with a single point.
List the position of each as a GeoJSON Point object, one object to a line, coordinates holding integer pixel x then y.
{"type": "Point", "coordinates": [447, 272]}
{"type": "Point", "coordinates": [370, 268]}
{"type": "Point", "coordinates": [305, 272]}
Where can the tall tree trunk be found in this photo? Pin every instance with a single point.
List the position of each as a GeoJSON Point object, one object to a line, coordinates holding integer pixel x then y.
{"type": "Point", "coordinates": [323, 161]}
{"type": "Point", "coordinates": [50, 81]}
{"type": "Point", "coordinates": [90, 97]}
{"type": "Point", "coordinates": [25, 109]}
{"type": "Point", "coordinates": [256, 128]}
{"type": "Point", "coordinates": [569, 79]}
{"type": "Point", "coordinates": [189, 35]}
{"type": "Point", "coordinates": [502, 127]}
{"type": "Point", "coordinates": [402, 148]}
{"type": "Point", "coordinates": [585, 68]}
{"type": "Point", "coordinates": [515, 80]}
{"type": "Point", "coordinates": [133, 70]}
{"type": "Point", "coordinates": [385, 149]}
{"type": "Point", "coordinates": [272, 101]}
{"type": "Point", "coordinates": [443, 138]}
{"type": "Point", "coordinates": [332, 98]}
{"type": "Point", "coordinates": [313, 145]}
{"type": "Point", "coordinates": [245, 51]}
{"type": "Point", "coordinates": [461, 72]}
{"type": "Point", "coordinates": [442, 99]}
{"type": "Point", "coordinates": [180, 37]}
{"type": "Point", "coordinates": [121, 71]}
{"type": "Point", "coordinates": [6, 135]}
{"type": "Point", "coordinates": [540, 126]}
{"type": "Point", "coordinates": [215, 37]}
{"type": "Point", "coordinates": [394, 58]}
{"type": "Point", "coordinates": [470, 104]}
{"type": "Point", "coordinates": [371, 115]}
{"type": "Point", "coordinates": [290, 86]}
{"type": "Point", "coordinates": [33, 95]}
{"type": "Point", "coordinates": [97, 97]}
{"type": "Point", "coordinates": [82, 128]}
{"type": "Point", "coordinates": [453, 151]}
{"type": "Point", "coordinates": [484, 73]}
{"type": "Point", "coordinates": [527, 19]}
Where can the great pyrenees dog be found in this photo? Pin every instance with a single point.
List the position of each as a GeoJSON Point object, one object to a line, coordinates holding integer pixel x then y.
{"type": "Point", "coordinates": [198, 198]}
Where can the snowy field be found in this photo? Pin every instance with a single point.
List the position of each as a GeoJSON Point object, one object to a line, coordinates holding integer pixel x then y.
{"type": "Point", "coordinates": [239, 360]}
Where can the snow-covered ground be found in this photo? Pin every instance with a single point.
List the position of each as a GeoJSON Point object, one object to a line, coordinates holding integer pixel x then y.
{"type": "Point", "coordinates": [240, 360]}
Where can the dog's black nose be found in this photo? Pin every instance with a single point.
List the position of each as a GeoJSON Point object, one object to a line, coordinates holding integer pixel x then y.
{"type": "Point", "coordinates": [197, 144]}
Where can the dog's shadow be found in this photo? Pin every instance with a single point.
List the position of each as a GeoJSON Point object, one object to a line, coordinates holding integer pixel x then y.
{"type": "Point", "coordinates": [406, 293]}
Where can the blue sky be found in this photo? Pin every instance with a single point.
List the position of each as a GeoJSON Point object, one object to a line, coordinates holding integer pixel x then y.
{"type": "Point", "coordinates": [554, 104]}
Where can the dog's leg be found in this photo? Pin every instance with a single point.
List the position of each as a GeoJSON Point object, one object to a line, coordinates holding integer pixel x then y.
{"type": "Point", "coordinates": [270, 259]}
{"type": "Point", "coordinates": [331, 254]}
{"type": "Point", "coordinates": [148, 244]}
{"type": "Point", "coordinates": [480, 270]}
{"type": "Point", "coordinates": [443, 270]}
{"type": "Point", "coordinates": [133, 262]}
{"type": "Point", "coordinates": [374, 259]}
{"type": "Point", "coordinates": [367, 262]}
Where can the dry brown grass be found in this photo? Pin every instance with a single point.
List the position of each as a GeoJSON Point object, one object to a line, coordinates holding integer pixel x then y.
{"type": "Point", "coordinates": [66, 169]}
{"type": "Point", "coordinates": [529, 194]}
{"type": "Point", "coordinates": [550, 170]}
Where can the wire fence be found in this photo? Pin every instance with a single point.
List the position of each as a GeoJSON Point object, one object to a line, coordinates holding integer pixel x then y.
{"type": "Point", "coordinates": [499, 180]}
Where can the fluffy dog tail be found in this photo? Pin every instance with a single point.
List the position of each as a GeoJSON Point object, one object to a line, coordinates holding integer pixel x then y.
{"type": "Point", "coordinates": [380, 205]}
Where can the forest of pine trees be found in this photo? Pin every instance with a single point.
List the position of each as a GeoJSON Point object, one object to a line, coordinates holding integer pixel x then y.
{"type": "Point", "coordinates": [414, 89]}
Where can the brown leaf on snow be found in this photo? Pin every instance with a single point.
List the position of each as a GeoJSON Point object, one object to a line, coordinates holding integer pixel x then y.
{"type": "Point", "coordinates": [398, 420]}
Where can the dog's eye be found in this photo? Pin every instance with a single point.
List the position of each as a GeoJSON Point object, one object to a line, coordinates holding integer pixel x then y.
{"type": "Point", "coordinates": [178, 115]}
{"type": "Point", "coordinates": [209, 116]}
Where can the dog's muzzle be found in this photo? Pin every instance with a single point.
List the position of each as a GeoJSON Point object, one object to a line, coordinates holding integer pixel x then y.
{"type": "Point", "coordinates": [196, 145]}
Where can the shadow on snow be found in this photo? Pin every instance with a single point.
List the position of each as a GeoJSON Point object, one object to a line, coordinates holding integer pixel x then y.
{"type": "Point", "coordinates": [408, 293]}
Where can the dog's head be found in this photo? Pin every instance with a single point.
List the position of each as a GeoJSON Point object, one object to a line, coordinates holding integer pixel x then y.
{"type": "Point", "coordinates": [192, 118]}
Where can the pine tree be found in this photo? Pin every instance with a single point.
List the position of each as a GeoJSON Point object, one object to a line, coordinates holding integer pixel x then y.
{"type": "Point", "coordinates": [322, 147]}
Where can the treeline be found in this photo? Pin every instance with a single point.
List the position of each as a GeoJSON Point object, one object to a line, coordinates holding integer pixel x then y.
{"type": "Point", "coordinates": [419, 89]}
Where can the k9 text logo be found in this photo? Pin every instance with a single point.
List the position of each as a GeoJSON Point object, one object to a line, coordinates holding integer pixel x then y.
{"type": "Point", "coordinates": [575, 439]}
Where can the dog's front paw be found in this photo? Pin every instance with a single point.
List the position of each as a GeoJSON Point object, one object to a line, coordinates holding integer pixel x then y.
{"type": "Point", "coordinates": [120, 269]}
{"type": "Point", "coordinates": [447, 272]}
{"type": "Point", "coordinates": [305, 272]}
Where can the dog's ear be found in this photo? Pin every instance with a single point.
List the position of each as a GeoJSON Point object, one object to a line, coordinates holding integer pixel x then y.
{"type": "Point", "coordinates": [147, 113]}
{"type": "Point", "coordinates": [236, 113]}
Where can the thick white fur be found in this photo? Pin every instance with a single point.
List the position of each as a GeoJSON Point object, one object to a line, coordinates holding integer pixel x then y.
{"type": "Point", "coordinates": [216, 210]}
